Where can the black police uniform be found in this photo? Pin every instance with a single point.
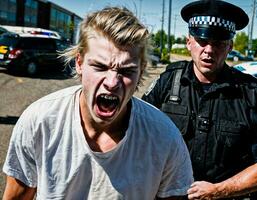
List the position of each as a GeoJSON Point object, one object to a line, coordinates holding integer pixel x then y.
{"type": "Point", "coordinates": [218, 121]}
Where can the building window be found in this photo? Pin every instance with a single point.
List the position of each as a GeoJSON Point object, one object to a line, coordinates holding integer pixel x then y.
{"type": "Point", "coordinates": [60, 22]}
{"type": "Point", "coordinates": [8, 12]}
{"type": "Point", "coordinates": [30, 15]}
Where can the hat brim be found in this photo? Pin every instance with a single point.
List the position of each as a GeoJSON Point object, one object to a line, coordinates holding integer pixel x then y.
{"type": "Point", "coordinates": [213, 33]}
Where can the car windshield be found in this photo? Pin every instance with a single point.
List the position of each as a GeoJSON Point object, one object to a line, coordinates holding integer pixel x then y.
{"type": "Point", "coordinates": [8, 40]}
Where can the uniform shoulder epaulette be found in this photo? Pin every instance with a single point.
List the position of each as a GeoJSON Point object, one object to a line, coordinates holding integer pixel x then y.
{"type": "Point", "coordinates": [177, 65]}
{"type": "Point", "coordinates": [245, 79]}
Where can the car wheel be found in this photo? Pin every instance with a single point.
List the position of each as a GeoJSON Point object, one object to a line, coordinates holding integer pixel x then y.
{"type": "Point", "coordinates": [235, 59]}
{"type": "Point", "coordinates": [32, 68]}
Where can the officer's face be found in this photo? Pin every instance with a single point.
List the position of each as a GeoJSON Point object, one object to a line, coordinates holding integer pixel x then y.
{"type": "Point", "coordinates": [208, 56]}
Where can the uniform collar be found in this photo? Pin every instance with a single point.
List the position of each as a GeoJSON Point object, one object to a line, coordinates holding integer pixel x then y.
{"type": "Point", "coordinates": [225, 78]}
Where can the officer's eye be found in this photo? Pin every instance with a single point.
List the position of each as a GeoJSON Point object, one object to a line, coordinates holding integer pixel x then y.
{"type": "Point", "coordinates": [202, 42]}
{"type": "Point", "coordinates": [220, 44]}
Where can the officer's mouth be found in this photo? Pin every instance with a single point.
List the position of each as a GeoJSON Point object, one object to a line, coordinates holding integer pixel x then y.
{"type": "Point", "coordinates": [208, 60]}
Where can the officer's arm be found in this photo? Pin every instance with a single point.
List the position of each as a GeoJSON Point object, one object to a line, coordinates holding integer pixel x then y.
{"type": "Point", "coordinates": [157, 91]}
{"type": "Point", "coordinates": [15, 189]}
{"type": "Point", "coordinates": [242, 183]}
{"type": "Point", "coordinates": [152, 95]}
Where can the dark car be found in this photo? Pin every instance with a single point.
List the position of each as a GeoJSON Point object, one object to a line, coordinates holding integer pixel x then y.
{"type": "Point", "coordinates": [30, 53]}
{"type": "Point", "coordinates": [236, 56]}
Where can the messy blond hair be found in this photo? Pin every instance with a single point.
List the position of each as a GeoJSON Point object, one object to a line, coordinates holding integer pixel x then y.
{"type": "Point", "coordinates": [119, 25]}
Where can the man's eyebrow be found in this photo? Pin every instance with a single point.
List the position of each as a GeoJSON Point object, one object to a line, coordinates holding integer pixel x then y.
{"type": "Point", "coordinates": [129, 65]}
{"type": "Point", "coordinates": [92, 61]}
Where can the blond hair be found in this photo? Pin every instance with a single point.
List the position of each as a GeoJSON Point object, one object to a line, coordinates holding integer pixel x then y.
{"type": "Point", "coordinates": [119, 25]}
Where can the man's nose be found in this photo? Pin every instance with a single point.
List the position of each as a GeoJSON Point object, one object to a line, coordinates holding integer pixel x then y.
{"type": "Point", "coordinates": [112, 80]}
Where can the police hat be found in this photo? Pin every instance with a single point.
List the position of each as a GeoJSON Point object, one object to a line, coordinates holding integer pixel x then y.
{"type": "Point", "coordinates": [214, 19]}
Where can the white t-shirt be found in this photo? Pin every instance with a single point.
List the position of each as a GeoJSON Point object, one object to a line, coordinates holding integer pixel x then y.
{"type": "Point", "coordinates": [48, 150]}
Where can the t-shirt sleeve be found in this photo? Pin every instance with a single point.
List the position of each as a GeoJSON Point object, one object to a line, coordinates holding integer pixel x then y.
{"type": "Point", "coordinates": [20, 160]}
{"type": "Point", "coordinates": [178, 175]}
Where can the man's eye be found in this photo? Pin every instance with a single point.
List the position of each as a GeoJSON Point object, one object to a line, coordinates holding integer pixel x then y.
{"type": "Point", "coordinates": [127, 72]}
{"type": "Point", "coordinates": [100, 67]}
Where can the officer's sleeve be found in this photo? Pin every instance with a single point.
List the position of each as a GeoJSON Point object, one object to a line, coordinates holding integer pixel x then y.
{"type": "Point", "coordinates": [254, 135]}
{"type": "Point", "coordinates": [151, 94]}
{"type": "Point", "coordinates": [156, 92]}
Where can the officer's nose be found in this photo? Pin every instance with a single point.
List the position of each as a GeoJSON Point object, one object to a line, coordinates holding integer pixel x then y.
{"type": "Point", "coordinates": [208, 48]}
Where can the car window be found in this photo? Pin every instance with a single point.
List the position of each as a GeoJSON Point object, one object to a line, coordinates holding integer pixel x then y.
{"type": "Point", "coordinates": [2, 30]}
{"type": "Point", "coordinates": [62, 45]}
{"type": "Point", "coordinates": [27, 43]}
{"type": "Point", "coordinates": [8, 40]}
{"type": "Point", "coordinates": [37, 43]}
{"type": "Point", "coordinates": [45, 43]}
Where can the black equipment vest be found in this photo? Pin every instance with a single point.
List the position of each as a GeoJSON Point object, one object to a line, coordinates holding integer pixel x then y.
{"type": "Point", "coordinates": [214, 165]}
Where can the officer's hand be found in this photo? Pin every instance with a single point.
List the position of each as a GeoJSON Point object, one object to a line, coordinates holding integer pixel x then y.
{"type": "Point", "coordinates": [202, 190]}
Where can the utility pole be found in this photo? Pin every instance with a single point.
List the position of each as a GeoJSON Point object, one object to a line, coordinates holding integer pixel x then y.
{"type": "Point", "coordinates": [250, 36]}
{"type": "Point", "coordinates": [175, 19]}
{"type": "Point", "coordinates": [169, 21]}
{"type": "Point", "coordinates": [161, 38]}
{"type": "Point", "coordinates": [140, 9]}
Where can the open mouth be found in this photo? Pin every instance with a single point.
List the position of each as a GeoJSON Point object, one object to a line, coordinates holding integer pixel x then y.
{"type": "Point", "coordinates": [208, 60]}
{"type": "Point", "coordinates": [107, 103]}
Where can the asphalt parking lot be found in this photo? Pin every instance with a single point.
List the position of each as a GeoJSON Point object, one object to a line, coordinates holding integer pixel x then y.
{"type": "Point", "coordinates": [16, 93]}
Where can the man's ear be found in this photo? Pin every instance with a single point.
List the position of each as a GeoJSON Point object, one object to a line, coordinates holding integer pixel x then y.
{"type": "Point", "coordinates": [79, 64]}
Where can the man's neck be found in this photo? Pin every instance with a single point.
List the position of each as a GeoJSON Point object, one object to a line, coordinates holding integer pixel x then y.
{"type": "Point", "coordinates": [104, 137]}
{"type": "Point", "coordinates": [205, 78]}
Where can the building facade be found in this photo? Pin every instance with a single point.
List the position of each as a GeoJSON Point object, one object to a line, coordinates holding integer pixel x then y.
{"type": "Point", "coordinates": [41, 14]}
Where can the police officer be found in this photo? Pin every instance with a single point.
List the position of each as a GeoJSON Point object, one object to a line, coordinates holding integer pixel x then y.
{"type": "Point", "coordinates": [213, 105]}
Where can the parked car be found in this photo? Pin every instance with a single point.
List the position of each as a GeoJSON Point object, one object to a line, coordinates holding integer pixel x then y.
{"type": "Point", "coordinates": [236, 56]}
{"type": "Point", "coordinates": [3, 30]}
{"type": "Point", "coordinates": [29, 30]}
{"type": "Point", "coordinates": [247, 67]}
{"type": "Point", "coordinates": [31, 51]}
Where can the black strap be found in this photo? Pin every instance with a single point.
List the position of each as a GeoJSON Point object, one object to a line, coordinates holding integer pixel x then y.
{"type": "Point", "coordinates": [175, 87]}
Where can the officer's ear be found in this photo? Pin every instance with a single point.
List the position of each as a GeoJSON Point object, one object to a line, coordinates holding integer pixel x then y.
{"type": "Point", "coordinates": [231, 44]}
{"type": "Point", "coordinates": [188, 42]}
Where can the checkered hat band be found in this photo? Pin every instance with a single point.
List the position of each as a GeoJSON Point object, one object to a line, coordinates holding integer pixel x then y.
{"type": "Point", "coordinates": [201, 21]}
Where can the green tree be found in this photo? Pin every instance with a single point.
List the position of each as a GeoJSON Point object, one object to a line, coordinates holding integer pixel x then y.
{"type": "Point", "coordinates": [180, 40]}
{"type": "Point", "coordinates": [241, 42]}
{"type": "Point", "coordinates": [157, 38]}
{"type": "Point", "coordinates": [255, 47]}
{"type": "Point", "coordinates": [172, 40]}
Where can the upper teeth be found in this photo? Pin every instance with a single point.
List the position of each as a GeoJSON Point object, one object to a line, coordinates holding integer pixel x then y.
{"type": "Point", "coordinates": [109, 97]}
